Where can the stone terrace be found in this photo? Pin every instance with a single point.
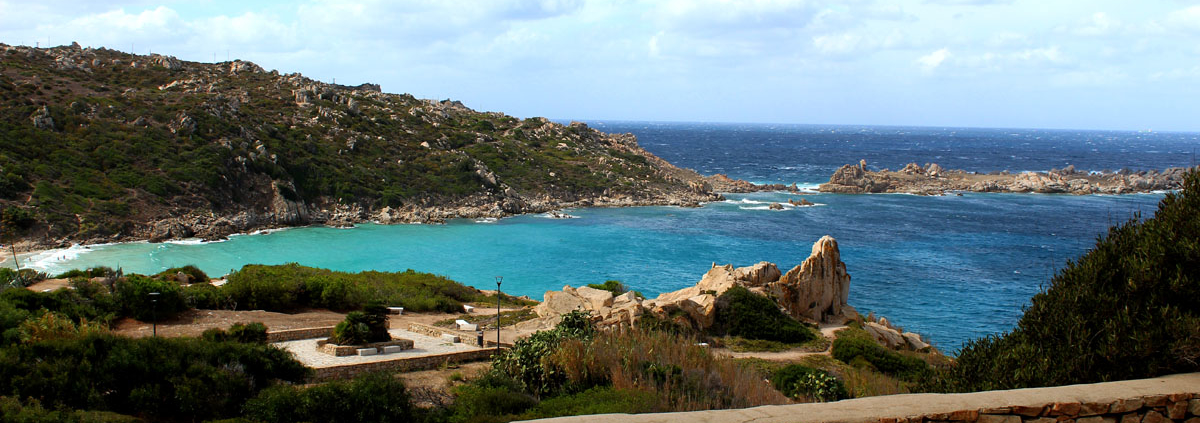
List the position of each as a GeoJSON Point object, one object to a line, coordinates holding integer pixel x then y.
{"type": "Point", "coordinates": [306, 352]}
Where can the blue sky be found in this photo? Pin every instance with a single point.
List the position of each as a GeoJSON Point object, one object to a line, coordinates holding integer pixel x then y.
{"type": "Point", "coordinates": [1043, 64]}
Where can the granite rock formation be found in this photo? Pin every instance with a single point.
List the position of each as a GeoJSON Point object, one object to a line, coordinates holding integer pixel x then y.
{"type": "Point", "coordinates": [932, 179]}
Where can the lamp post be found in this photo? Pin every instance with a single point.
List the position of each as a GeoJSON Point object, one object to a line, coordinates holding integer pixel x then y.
{"type": "Point", "coordinates": [498, 280]}
{"type": "Point", "coordinates": [154, 312]}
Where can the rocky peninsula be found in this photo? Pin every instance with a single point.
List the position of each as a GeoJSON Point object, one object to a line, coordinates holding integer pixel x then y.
{"type": "Point", "coordinates": [932, 179]}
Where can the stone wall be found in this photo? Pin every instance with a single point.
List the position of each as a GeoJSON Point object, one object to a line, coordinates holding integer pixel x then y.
{"type": "Point", "coordinates": [297, 334]}
{"type": "Point", "coordinates": [467, 337]}
{"type": "Point", "coordinates": [1174, 398]}
{"type": "Point", "coordinates": [400, 364]}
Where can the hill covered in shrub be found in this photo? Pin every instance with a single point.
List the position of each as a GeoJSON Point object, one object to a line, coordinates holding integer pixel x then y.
{"type": "Point", "coordinates": [97, 144]}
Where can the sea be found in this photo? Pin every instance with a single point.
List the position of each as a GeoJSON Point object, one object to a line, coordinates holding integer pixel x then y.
{"type": "Point", "coordinates": [952, 268]}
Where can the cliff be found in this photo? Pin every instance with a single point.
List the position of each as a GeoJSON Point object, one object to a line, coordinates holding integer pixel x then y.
{"type": "Point", "coordinates": [932, 179]}
{"type": "Point", "coordinates": [98, 145]}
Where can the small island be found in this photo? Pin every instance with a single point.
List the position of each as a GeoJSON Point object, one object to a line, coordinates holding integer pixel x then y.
{"type": "Point", "coordinates": [932, 179]}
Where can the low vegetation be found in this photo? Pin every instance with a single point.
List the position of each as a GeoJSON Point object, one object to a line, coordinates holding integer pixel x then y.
{"type": "Point", "coordinates": [291, 287]}
{"type": "Point", "coordinates": [362, 327]}
{"type": "Point", "coordinates": [744, 314]}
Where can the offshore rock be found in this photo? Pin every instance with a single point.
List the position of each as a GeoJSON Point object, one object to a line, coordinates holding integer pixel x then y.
{"type": "Point", "coordinates": [936, 180]}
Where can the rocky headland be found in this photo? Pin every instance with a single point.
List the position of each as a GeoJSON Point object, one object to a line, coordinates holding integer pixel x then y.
{"type": "Point", "coordinates": [932, 179]}
{"type": "Point", "coordinates": [105, 146]}
{"type": "Point", "coordinates": [815, 291]}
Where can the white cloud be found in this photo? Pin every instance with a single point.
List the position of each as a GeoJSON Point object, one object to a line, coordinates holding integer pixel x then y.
{"type": "Point", "coordinates": [931, 61]}
{"type": "Point", "coordinates": [1186, 19]}
{"type": "Point", "coordinates": [1098, 24]}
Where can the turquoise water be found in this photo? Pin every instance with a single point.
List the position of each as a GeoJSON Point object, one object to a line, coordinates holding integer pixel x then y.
{"type": "Point", "coordinates": [949, 267]}
{"type": "Point", "coordinates": [952, 268]}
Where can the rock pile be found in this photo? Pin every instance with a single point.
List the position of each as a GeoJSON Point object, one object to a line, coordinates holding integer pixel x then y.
{"type": "Point", "coordinates": [814, 291]}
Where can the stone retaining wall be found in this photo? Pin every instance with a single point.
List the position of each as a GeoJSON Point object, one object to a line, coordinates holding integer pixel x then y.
{"type": "Point", "coordinates": [467, 337]}
{"type": "Point", "coordinates": [1174, 398]}
{"type": "Point", "coordinates": [297, 334]}
{"type": "Point", "coordinates": [400, 364]}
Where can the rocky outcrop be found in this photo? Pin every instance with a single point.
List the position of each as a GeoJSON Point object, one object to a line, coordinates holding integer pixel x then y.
{"type": "Point", "coordinates": [815, 291]}
{"type": "Point", "coordinates": [932, 179]}
{"type": "Point", "coordinates": [723, 183]}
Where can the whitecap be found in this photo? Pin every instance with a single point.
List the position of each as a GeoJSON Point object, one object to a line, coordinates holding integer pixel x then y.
{"type": "Point", "coordinates": [486, 220]}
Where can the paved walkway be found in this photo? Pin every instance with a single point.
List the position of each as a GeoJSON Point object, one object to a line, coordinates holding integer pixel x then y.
{"type": "Point", "coordinates": [306, 352]}
{"type": "Point", "coordinates": [875, 409]}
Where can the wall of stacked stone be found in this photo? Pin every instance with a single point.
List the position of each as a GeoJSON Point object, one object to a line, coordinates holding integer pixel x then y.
{"type": "Point", "coordinates": [297, 334]}
{"type": "Point", "coordinates": [400, 364]}
{"type": "Point", "coordinates": [469, 338]}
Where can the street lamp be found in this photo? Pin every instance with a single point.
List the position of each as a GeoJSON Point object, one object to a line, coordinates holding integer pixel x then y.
{"type": "Point", "coordinates": [154, 311]}
{"type": "Point", "coordinates": [498, 280]}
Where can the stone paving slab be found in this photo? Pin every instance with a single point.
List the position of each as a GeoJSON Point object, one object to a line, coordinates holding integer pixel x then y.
{"type": "Point", "coordinates": [306, 352]}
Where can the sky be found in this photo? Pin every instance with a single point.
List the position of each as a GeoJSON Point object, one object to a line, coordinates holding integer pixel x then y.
{"type": "Point", "coordinates": [1097, 64]}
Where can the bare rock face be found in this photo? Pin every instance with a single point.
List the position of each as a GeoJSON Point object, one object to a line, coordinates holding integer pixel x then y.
{"type": "Point", "coordinates": [851, 179]}
{"type": "Point", "coordinates": [817, 289]}
{"type": "Point", "coordinates": [759, 274]}
{"type": "Point", "coordinates": [41, 118]}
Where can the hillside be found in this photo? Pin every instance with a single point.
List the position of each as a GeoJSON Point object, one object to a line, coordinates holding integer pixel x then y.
{"type": "Point", "coordinates": [98, 145]}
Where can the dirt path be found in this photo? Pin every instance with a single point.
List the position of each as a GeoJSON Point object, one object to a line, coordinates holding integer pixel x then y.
{"type": "Point", "coordinates": [827, 331]}
{"type": "Point", "coordinates": [195, 322]}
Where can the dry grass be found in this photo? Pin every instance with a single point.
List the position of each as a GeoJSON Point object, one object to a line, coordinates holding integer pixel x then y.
{"type": "Point", "coordinates": [684, 375]}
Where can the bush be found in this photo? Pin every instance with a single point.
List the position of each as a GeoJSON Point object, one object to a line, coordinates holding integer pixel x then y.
{"type": "Point", "coordinates": [752, 316]}
{"type": "Point", "coordinates": [597, 400]}
{"type": "Point", "coordinates": [246, 333]}
{"type": "Point", "coordinates": [374, 397]}
{"type": "Point", "coordinates": [156, 378]}
{"type": "Point", "coordinates": [847, 349]}
{"type": "Point", "coordinates": [207, 297]}
{"type": "Point", "coordinates": [362, 327]}
{"type": "Point", "coordinates": [291, 286]}
{"type": "Point", "coordinates": [526, 361]}
{"type": "Point", "coordinates": [1125, 310]}
{"type": "Point", "coordinates": [193, 273]}
{"type": "Point", "coordinates": [12, 410]}
{"type": "Point", "coordinates": [615, 287]}
{"type": "Point", "coordinates": [473, 401]}
{"type": "Point", "coordinates": [799, 381]}
{"type": "Point", "coordinates": [133, 293]}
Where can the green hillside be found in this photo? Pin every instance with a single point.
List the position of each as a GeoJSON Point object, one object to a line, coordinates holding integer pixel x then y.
{"type": "Point", "coordinates": [97, 145]}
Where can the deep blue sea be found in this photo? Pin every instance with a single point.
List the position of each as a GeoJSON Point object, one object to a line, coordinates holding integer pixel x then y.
{"type": "Point", "coordinates": [950, 267]}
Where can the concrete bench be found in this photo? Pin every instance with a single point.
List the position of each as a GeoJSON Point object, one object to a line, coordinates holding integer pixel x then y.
{"type": "Point", "coordinates": [451, 338]}
{"type": "Point", "coordinates": [468, 309]}
{"type": "Point", "coordinates": [465, 325]}
{"type": "Point", "coordinates": [392, 349]}
{"type": "Point", "coordinates": [367, 351]}
{"type": "Point", "coordinates": [395, 310]}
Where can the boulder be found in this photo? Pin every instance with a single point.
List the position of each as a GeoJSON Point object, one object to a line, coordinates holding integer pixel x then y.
{"type": "Point", "coordinates": [817, 289]}
{"type": "Point", "coordinates": [758, 274]}
{"type": "Point", "coordinates": [885, 335]}
{"type": "Point", "coordinates": [914, 341]}
{"type": "Point", "coordinates": [596, 299]}
{"type": "Point", "coordinates": [557, 303]}
{"type": "Point", "coordinates": [775, 206]}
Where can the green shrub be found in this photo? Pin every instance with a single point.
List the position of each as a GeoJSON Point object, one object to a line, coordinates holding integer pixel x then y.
{"type": "Point", "coordinates": [12, 410]}
{"type": "Point", "coordinates": [207, 297]}
{"type": "Point", "coordinates": [156, 378]}
{"type": "Point", "coordinates": [193, 273]}
{"type": "Point", "coordinates": [526, 364]}
{"type": "Point", "coordinates": [1127, 309]}
{"type": "Point", "coordinates": [474, 401]}
{"type": "Point", "coordinates": [597, 400]}
{"type": "Point", "coordinates": [752, 316]}
{"type": "Point", "coordinates": [133, 293]}
{"type": "Point", "coordinates": [246, 333]}
{"type": "Point", "coordinates": [374, 397]}
{"type": "Point", "coordinates": [362, 327]}
{"type": "Point", "coordinates": [847, 349]}
{"type": "Point", "coordinates": [799, 381]}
